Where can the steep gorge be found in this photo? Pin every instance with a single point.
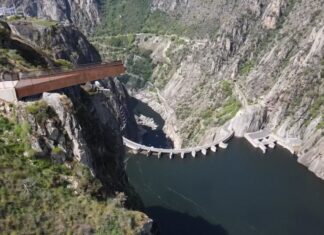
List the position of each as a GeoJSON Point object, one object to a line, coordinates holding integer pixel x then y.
{"type": "Point", "coordinates": [203, 66]}
{"type": "Point", "coordinates": [245, 65]}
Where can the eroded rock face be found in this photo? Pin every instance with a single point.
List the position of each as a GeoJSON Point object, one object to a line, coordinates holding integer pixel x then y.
{"type": "Point", "coordinates": [63, 107]}
{"type": "Point", "coordinates": [82, 13]}
{"type": "Point", "coordinates": [112, 95]}
{"type": "Point", "coordinates": [58, 127]}
{"type": "Point", "coordinates": [249, 119]}
{"type": "Point", "coordinates": [64, 42]}
{"type": "Point", "coordinates": [272, 13]}
{"type": "Point", "coordinates": [312, 155]}
{"type": "Point", "coordinates": [76, 127]}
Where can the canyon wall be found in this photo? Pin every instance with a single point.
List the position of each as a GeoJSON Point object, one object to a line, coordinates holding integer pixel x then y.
{"type": "Point", "coordinates": [82, 13]}
{"type": "Point", "coordinates": [244, 65]}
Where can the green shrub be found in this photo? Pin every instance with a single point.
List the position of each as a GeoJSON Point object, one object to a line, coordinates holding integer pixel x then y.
{"type": "Point", "coordinates": [160, 23]}
{"type": "Point", "coordinates": [317, 106]}
{"type": "Point", "coordinates": [14, 18]}
{"type": "Point", "coordinates": [246, 67]}
{"type": "Point", "coordinates": [57, 150]}
{"type": "Point", "coordinates": [141, 64]}
{"type": "Point", "coordinates": [64, 64]}
{"type": "Point", "coordinates": [227, 88]}
{"type": "Point", "coordinates": [41, 111]}
{"type": "Point", "coordinates": [123, 41]}
{"type": "Point", "coordinates": [321, 124]}
{"type": "Point", "coordinates": [228, 110]}
{"type": "Point", "coordinates": [43, 22]}
{"type": "Point", "coordinates": [123, 16]}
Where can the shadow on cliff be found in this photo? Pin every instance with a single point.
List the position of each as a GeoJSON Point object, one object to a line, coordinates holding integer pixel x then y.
{"type": "Point", "coordinates": [156, 138]}
{"type": "Point", "coordinates": [169, 222]}
{"type": "Point", "coordinates": [140, 107]}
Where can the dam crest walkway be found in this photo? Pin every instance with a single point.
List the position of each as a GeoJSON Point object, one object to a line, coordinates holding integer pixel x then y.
{"type": "Point", "coordinates": [159, 152]}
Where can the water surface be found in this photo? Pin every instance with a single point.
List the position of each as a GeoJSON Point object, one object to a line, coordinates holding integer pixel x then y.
{"type": "Point", "coordinates": [234, 191]}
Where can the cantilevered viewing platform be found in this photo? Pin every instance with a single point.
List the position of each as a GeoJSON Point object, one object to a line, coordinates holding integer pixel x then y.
{"type": "Point", "coordinates": [25, 86]}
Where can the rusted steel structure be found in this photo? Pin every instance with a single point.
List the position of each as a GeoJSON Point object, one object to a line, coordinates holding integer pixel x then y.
{"type": "Point", "coordinates": [52, 82]}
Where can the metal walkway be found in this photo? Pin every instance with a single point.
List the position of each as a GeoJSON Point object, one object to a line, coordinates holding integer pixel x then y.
{"type": "Point", "coordinates": [12, 91]}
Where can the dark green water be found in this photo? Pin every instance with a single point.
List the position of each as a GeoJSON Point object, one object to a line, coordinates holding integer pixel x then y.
{"type": "Point", "coordinates": [234, 191]}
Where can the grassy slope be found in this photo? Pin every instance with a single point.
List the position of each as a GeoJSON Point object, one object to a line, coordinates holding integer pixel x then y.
{"type": "Point", "coordinates": [36, 195]}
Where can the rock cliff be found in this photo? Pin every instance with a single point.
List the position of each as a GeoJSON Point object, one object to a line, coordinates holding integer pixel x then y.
{"type": "Point", "coordinates": [84, 14]}
{"type": "Point", "coordinates": [63, 42]}
{"type": "Point", "coordinates": [86, 129]}
{"type": "Point", "coordinates": [77, 132]}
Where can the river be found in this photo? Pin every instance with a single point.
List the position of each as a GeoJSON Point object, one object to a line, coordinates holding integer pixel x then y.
{"type": "Point", "coordinates": [234, 191]}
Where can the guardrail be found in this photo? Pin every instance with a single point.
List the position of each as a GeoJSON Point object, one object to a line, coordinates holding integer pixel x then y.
{"type": "Point", "coordinates": [55, 80]}
{"type": "Point", "coordinates": [59, 70]}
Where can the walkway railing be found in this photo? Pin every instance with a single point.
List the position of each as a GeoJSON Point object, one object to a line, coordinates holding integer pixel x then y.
{"type": "Point", "coordinates": [54, 80]}
{"type": "Point", "coordinates": [59, 70]}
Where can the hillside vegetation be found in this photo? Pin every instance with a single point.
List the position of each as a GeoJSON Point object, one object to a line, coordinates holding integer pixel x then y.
{"type": "Point", "coordinates": [121, 17]}
{"type": "Point", "coordinates": [51, 181]}
{"type": "Point", "coordinates": [36, 196]}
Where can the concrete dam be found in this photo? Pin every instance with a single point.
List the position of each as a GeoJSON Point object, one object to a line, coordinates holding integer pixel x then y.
{"type": "Point", "coordinates": [159, 152]}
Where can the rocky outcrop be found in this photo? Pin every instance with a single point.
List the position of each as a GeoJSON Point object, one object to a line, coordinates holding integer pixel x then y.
{"type": "Point", "coordinates": [64, 132]}
{"type": "Point", "coordinates": [103, 137]}
{"type": "Point", "coordinates": [249, 119]}
{"type": "Point", "coordinates": [82, 13]}
{"type": "Point", "coordinates": [113, 95]}
{"type": "Point", "coordinates": [81, 131]}
{"type": "Point", "coordinates": [18, 55]}
{"type": "Point", "coordinates": [272, 14]}
{"type": "Point", "coordinates": [75, 127]}
{"type": "Point", "coordinates": [62, 42]}
{"type": "Point", "coordinates": [79, 127]}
